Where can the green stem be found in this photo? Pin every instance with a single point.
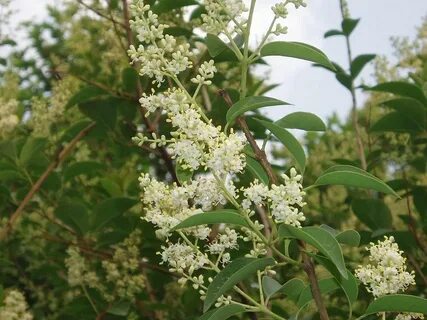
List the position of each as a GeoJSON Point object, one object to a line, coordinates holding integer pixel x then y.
{"type": "Point", "coordinates": [90, 299]}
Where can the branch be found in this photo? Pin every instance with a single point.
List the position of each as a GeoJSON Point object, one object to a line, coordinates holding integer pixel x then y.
{"type": "Point", "coordinates": [99, 13]}
{"type": "Point", "coordinates": [55, 163]}
{"type": "Point", "coordinates": [262, 157]}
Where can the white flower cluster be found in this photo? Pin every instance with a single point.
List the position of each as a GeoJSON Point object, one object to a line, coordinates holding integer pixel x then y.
{"type": "Point", "coordinates": [220, 13]}
{"type": "Point", "coordinates": [195, 143]}
{"type": "Point", "coordinates": [123, 271]}
{"type": "Point", "coordinates": [14, 307]}
{"type": "Point", "coordinates": [160, 54]}
{"type": "Point", "coordinates": [79, 273]}
{"type": "Point", "coordinates": [8, 118]}
{"type": "Point", "coordinates": [285, 200]}
{"type": "Point", "coordinates": [183, 258]}
{"type": "Point", "coordinates": [281, 12]}
{"type": "Point", "coordinates": [386, 274]}
{"type": "Point", "coordinates": [409, 316]}
{"type": "Point", "coordinates": [166, 206]}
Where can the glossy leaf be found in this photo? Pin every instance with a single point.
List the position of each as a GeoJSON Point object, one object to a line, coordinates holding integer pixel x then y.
{"type": "Point", "coordinates": [30, 149]}
{"type": "Point", "coordinates": [349, 237]}
{"type": "Point", "coordinates": [257, 170]}
{"type": "Point", "coordinates": [296, 50]}
{"type": "Point", "coordinates": [398, 303]}
{"type": "Point", "coordinates": [223, 312]}
{"type": "Point", "coordinates": [168, 5]}
{"type": "Point", "coordinates": [291, 288]}
{"type": "Point", "coordinates": [251, 104]}
{"type": "Point", "coordinates": [332, 33]}
{"type": "Point", "coordinates": [215, 45]}
{"type": "Point", "coordinates": [372, 212]}
{"type": "Point", "coordinates": [359, 63]}
{"type": "Point", "coordinates": [396, 122]}
{"type": "Point", "coordinates": [348, 25]}
{"type": "Point", "coordinates": [321, 239]}
{"type": "Point", "coordinates": [85, 94]}
{"type": "Point", "coordinates": [238, 270]}
{"type": "Point", "coordinates": [74, 215]}
{"type": "Point", "coordinates": [353, 177]}
{"type": "Point", "coordinates": [213, 217]}
{"type": "Point", "coordinates": [401, 88]}
{"type": "Point", "coordinates": [303, 121]}
{"type": "Point", "coordinates": [109, 209]}
{"type": "Point", "coordinates": [288, 140]}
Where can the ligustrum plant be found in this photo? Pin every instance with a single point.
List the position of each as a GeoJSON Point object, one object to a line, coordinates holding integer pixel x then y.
{"type": "Point", "coordinates": [232, 226]}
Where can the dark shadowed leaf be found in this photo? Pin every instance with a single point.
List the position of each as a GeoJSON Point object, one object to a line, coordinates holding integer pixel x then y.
{"type": "Point", "coordinates": [227, 216]}
{"type": "Point", "coordinates": [223, 313]}
{"type": "Point", "coordinates": [372, 212]}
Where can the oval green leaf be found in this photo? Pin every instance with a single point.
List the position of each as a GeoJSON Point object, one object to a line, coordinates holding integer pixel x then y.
{"type": "Point", "coordinates": [291, 288]}
{"type": "Point", "coordinates": [359, 63]}
{"type": "Point", "coordinates": [353, 177]}
{"type": "Point", "coordinates": [297, 50]}
{"type": "Point", "coordinates": [373, 212]}
{"type": "Point", "coordinates": [349, 237]}
{"type": "Point", "coordinates": [257, 170]}
{"type": "Point", "coordinates": [322, 240]}
{"type": "Point", "coordinates": [223, 313]}
{"type": "Point", "coordinates": [238, 270]}
{"type": "Point", "coordinates": [403, 89]}
{"type": "Point", "coordinates": [250, 104]}
{"type": "Point", "coordinates": [213, 217]}
{"type": "Point", "coordinates": [398, 303]}
{"type": "Point", "coordinates": [303, 121]}
{"type": "Point", "coordinates": [288, 140]}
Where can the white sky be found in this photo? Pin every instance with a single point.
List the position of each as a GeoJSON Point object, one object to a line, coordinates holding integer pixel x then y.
{"type": "Point", "coordinates": [312, 89]}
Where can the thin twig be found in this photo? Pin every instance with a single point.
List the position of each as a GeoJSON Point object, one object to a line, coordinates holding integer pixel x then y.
{"type": "Point", "coordinates": [99, 13]}
{"type": "Point", "coordinates": [61, 155]}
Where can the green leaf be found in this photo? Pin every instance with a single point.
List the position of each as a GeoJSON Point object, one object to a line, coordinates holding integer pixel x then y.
{"type": "Point", "coordinates": [103, 111]}
{"type": "Point", "coordinates": [30, 149]}
{"type": "Point", "coordinates": [257, 170]}
{"type": "Point", "coordinates": [398, 303]}
{"type": "Point", "coordinates": [84, 95]}
{"type": "Point", "coordinates": [110, 209]}
{"type": "Point", "coordinates": [291, 288]}
{"type": "Point", "coordinates": [373, 212]}
{"type": "Point", "coordinates": [319, 238]}
{"type": "Point", "coordinates": [120, 308]}
{"type": "Point", "coordinates": [349, 237]}
{"type": "Point", "coordinates": [396, 122]}
{"type": "Point", "coordinates": [348, 25]}
{"type": "Point", "coordinates": [303, 121]}
{"type": "Point", "coordinates": [409, 108]}
{"type": "Point", "coordinates": [359, 63]}
{"type": "Point", "coordinates": [325, 286]}
{"type": "Point", "coordinates": [353, 177]}
{"type": "Point", "coordinates": [70, 132]}
{"type": "Point", "coordinates": [183, 175]}
{"type": "Point", "coordinates": [332, 33]}
{"type": "Point", "coordinates": [238, 270]}
{"type": "Point", "coordinates": [297, 50]}
{"type": "Point", "coordinates": [223, 313]}
{"type": "Point", "coordinates": [213, 217]}
{"type": "Point", "coordinates": [250, 104]}
{"type": "Point", "coordinates": [403, 89]}
{"type": "Point", "coordinates": [83, 167]}
{"type": "Point", "coordinates": [74, 214]}
{"type": "Point", "coordinates": [288, 140]}
{"type": "Point", "coordinates": [168, 5]}
{"type": "Point", "coordinates": [130, 79]}
{"type": "Point", "coordinates": [215, 45]}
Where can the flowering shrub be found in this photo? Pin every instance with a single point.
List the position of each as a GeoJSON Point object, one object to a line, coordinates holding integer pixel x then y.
{"type": "Point", "coordinates": [218, 231]}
